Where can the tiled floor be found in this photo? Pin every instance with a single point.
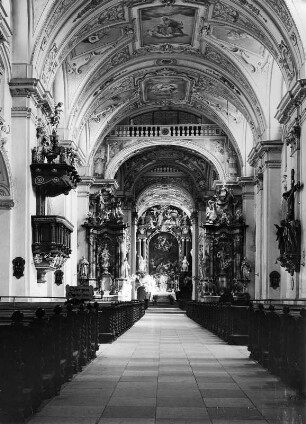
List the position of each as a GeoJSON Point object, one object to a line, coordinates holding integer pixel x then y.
{"type": "Point", "coordinates": [169, 370]}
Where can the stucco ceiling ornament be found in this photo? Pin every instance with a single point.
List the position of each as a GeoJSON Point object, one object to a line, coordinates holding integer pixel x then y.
{"type": "Point", "coordinates": [110, 15]}
{"type": "Point", "coordinates": [50, 64]}
{"type": "Point", "coordinates": [282, 12]}
{"type": "Point", "coordinates": [96, 117]}
{"type": "Point", "coordinates": [224, 12]}
{"type": "Point", "coordinates": [74, 66]}
{"type": "Point", "coordinates": [89, 8]}
{"type": "Point", "coordinates": [286, 60]}
{"type": "Point", "coordinates": [253, 9]}
{"type": "Point", "coordinates": [245, 23]}
{"type": "Point", "coordinates": [56, 13]}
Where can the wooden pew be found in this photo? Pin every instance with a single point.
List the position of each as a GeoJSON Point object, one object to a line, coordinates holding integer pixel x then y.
{"type": "Point", "coordinates": [40, 351]}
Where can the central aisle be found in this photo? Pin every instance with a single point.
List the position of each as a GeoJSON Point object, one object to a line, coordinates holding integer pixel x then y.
{"type": "Point", "coordinates": [168, 369]}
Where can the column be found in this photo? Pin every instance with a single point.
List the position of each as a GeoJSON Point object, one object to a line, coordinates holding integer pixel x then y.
{"type": "Point", "coordinates": [92, 256]}
{"type": "Point", "coordinates": [23, 139]}
{"type": "Point", "coordinates": [195, 235]}
{"type": "Point", "coordinates": [144, 252]}
{"type": "Point", "coordinates": [248, 211]}
{"type": "Point", "coordinates": [122, 255]}
{"type": "Point", "coordinates": [83, 191]}
{"type": "Point", "coordinates": [266, 156]}
{"type": "Point", "coordinates": [183, 247]}
{"type": "Point", "coordinates": [138, 252]}
{"type": "Point", "coordinates": [133, 251]}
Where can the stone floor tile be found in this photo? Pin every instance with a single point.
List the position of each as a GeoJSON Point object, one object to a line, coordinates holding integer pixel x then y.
{"type": "Point", "coordinates": [129, 412]}
{"type": "Point", "coordinates": [64, 420]}
{"type": "Point", "coordinates": [132, 401]}
{"type": "Point", "coordinates": [228, 402]}
{"type": "Point", "coordinates": [126, 421]}
{"type": "Point", "coordinates": [203, 384]}
{"type": "Point", "coordinates": [180, 401]}
{"type": "Point", "coordinates": [183, 421]}
{"type": "Point", "coordinates": [71, 411]}
{"type": "Point", "coordinates": [231, 421]}
{"type": "Point", "coordinates": [234, 413]}
{"type": "Point", "coordinates": [135, 393]}
{"type": "Point", "coordinates": [177, 378]}
{"type": "Point", "coordinates": [222, 393]}
{"type": "Point", "coordinates": [181, 412]}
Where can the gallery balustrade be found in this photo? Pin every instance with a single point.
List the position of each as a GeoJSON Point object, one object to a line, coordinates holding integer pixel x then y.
{"type": "Point", "coordinates": [181, 130]}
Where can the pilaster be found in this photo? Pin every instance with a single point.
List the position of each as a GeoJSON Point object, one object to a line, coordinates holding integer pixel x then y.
{"type": "Point", "coordinates": [23, 139]}
{"type": "Point", "coordinates": [266, 158]}
{"type": "Point", "coordinates": [83, 192]}
{"type": "Point", "coordinates": [247, 184]}
{"type": "Point", "coordinates": [195, 236]}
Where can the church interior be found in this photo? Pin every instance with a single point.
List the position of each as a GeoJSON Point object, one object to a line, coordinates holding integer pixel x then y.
{"type": "Point", "coordinates": [145, 164]}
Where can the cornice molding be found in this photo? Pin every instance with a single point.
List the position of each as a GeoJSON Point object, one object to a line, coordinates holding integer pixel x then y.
{"type": "Point", "coordinates": [292, 99]}
{"type": "Point", "coordinates": [265, 150]}
{"type": "Point", "coordinates": [32, 88]}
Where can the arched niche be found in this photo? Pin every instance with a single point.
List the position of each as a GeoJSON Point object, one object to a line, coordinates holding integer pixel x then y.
{"type": "Point", "coordinates": [6, 201]}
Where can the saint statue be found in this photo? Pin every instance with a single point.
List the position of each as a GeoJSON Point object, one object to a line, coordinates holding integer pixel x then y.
{"type": "Point", "coordinates": [185, 264]}
{"type": "Point", "coordinates": [245, 269]}
{"type": "Point", "coordinates": [142, 264]}
{"type": "Point", "coordinates": [105, 259]}
{"type": "Point", "coordinates": [83, 268]}
{"type": "Point", "coordinates": [126, 268]}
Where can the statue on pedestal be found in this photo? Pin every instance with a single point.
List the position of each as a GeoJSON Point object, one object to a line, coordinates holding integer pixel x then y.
{"type": "Point", "coordinates": [126, 268]}
{"type": "Point", "coordinates": [185, 264]}
{"type": "Point", "coordinates": [83, 268]}
{"type": "Point", "coordinates": [105, 259]}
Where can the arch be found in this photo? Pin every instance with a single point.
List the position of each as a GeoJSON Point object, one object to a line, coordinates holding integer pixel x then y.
{"type": "Point", "coordinates": [129, 151]}
{"type": "Point", "coordinates": [159, 193]}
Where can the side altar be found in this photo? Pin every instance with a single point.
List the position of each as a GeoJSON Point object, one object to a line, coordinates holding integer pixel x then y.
{"type": "Point", "coordinates": [107, 267]}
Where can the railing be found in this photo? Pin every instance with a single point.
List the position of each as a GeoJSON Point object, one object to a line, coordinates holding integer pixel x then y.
{"type": "Point", "coordinates": [181, 130]}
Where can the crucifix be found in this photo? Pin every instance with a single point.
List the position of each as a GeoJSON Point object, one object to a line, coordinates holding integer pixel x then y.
{"type": "Point", "coordinates": [289, 197]}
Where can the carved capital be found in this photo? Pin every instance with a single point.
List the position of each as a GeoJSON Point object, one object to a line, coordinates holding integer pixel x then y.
{"type": "Point", "coordinates": [31, 87]}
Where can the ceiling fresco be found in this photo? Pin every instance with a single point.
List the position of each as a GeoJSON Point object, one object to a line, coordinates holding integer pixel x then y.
{"type": "Point", "coordinates": [175, 25]}
{"type": "Point", "coordinates": [213, 57]}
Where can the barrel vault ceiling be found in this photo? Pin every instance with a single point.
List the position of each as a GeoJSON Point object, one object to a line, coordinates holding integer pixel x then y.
{"type": "Point", "coordinates": [229, 61]}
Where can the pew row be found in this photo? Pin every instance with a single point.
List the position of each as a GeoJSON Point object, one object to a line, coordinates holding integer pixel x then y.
{"type": "Point", "coordinates": [274, 334]}
{"type": "Point", "coordinates": [42, 349]}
